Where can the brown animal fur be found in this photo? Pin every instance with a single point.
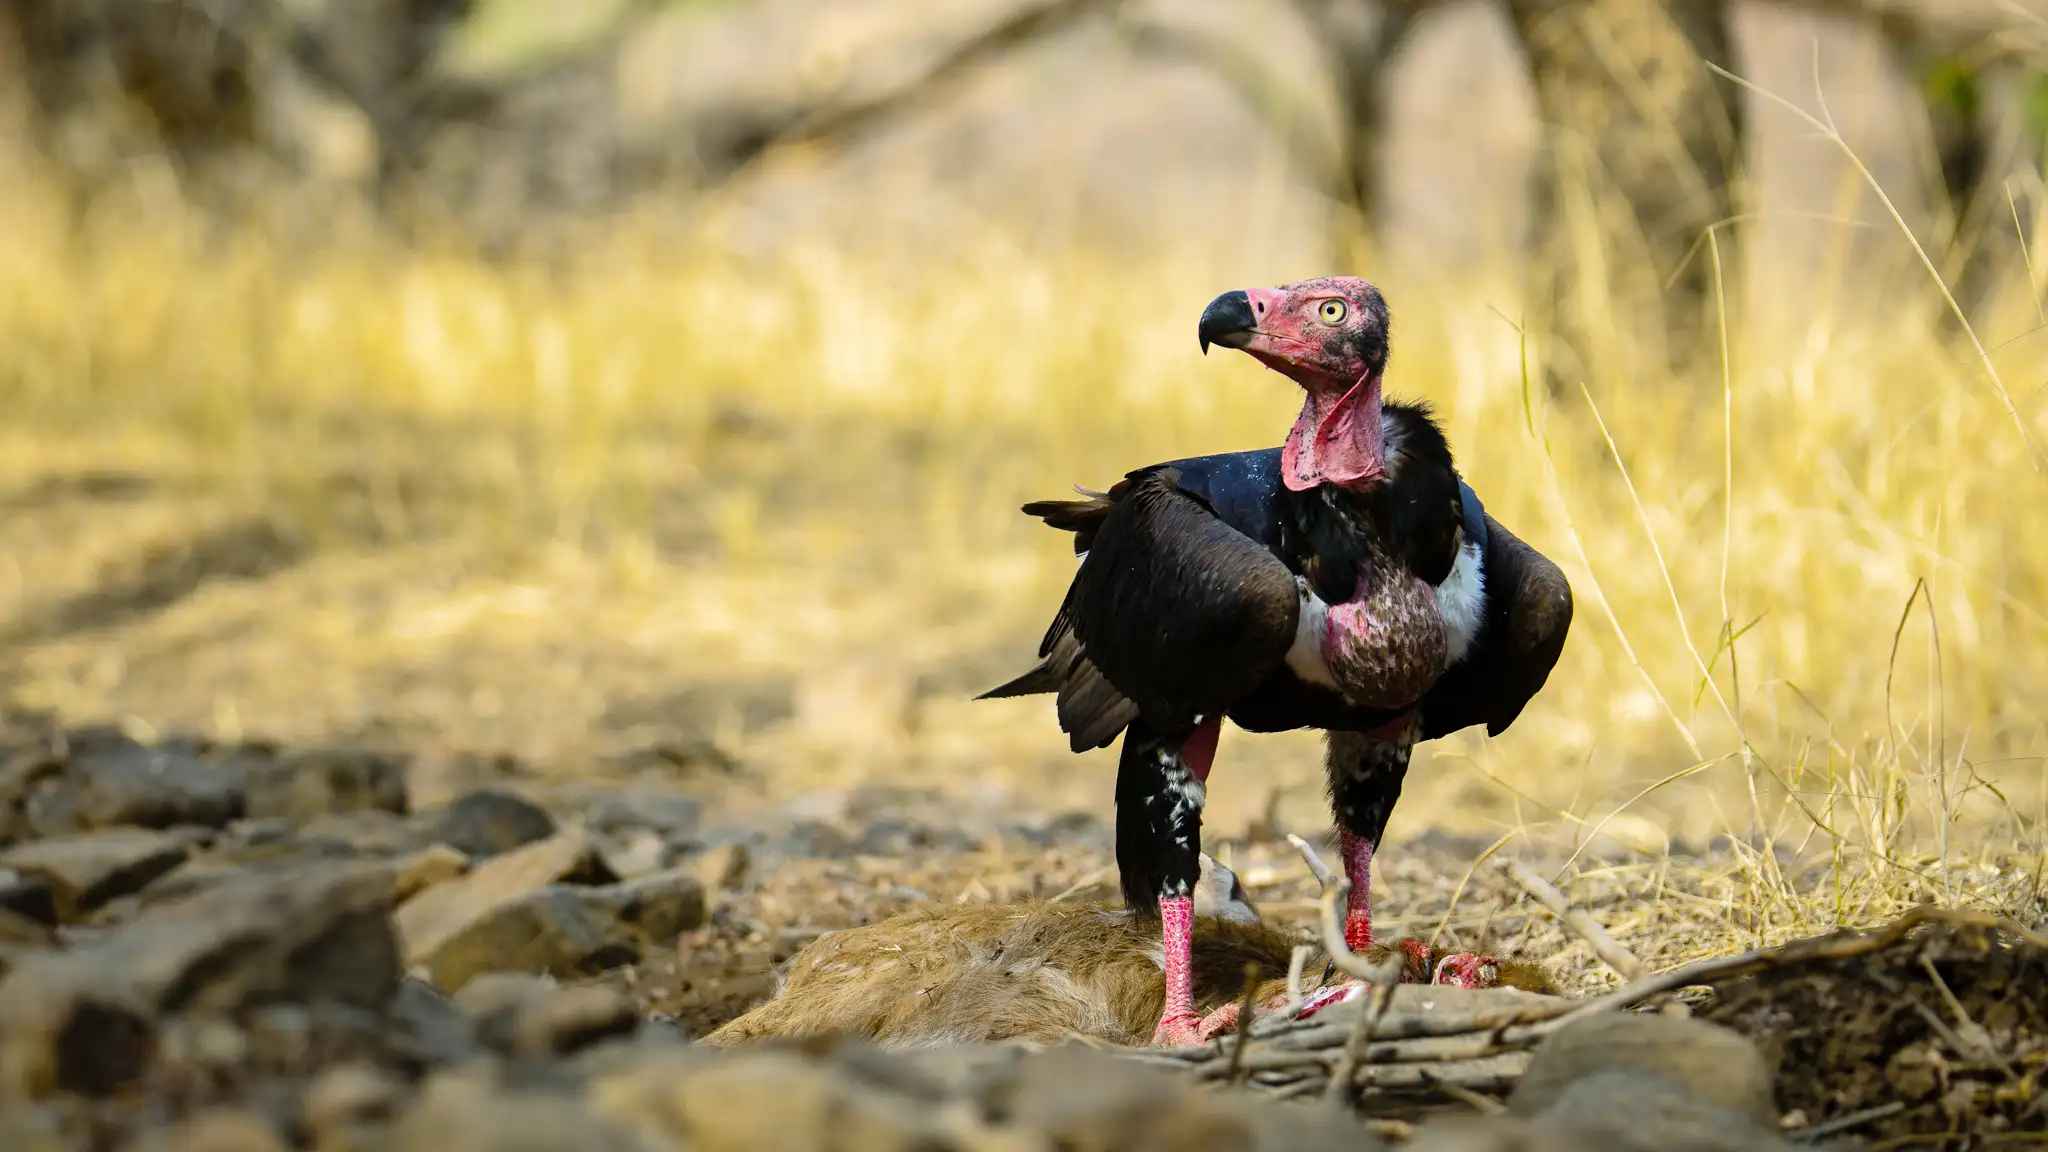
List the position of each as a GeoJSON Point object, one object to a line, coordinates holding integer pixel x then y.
{"type": "Point", "coordinates": [1043, 972]}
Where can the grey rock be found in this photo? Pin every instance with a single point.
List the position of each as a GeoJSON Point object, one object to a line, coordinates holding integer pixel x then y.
{"type": "Point", "coordinates": [1715, 1064]}
{"type": "Point", "coordinates": [321, 782]}
{"type": "Point", "coordinates": [110, 779]}
{"type": "Point", "coordinates": [347, 1097]}
{"type": "Point", "coordinates": [488, 822]}
{"type": "Point", "coordinates": [525, 1015]}
{"type": "Point", "coordinates": [28, 896]}
{"type": "Point", "coordinates": [468, 1110]}
{"type": "Point", "coordinates": [83, 1019]}
{"type": "Point", "coordinates": [433, 1031]}
{"type": "Point", "coordinates": [429, 921]}
{"type": "Point", "coordinates": [559, 929]}
{"type": "Point", "coordinates": [87, 870]}
{"type": "Point", "coordinates": [214, 1130]}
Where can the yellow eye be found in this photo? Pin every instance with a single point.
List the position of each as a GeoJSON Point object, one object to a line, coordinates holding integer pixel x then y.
{"type": "Point", "coordinates": [1331, 312]}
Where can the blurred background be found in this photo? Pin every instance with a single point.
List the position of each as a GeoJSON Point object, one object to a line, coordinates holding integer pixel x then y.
{"type": "Point", "coordinates": [645, 388]}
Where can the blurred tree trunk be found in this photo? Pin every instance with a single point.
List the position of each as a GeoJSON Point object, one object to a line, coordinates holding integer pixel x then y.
{"type": "Point", "coordinates": [1642, 148]}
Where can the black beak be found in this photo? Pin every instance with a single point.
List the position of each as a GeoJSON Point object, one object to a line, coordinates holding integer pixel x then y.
{"type": "Point", "coordinates": [1227, 321]}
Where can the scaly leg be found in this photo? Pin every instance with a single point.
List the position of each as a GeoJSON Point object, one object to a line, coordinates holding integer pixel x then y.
{"type": "Point", "coordinates": [1365, 772]}
{"type": "Point", "coordinates": [1160, 786]}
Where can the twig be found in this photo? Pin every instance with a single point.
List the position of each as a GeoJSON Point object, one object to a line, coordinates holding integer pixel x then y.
{"type": "Point", "coordinates": [1244, 1020]}
{"type": "Point", "coordinates": [1477, 1101]}
{"type": "Point", "coordinates": [1382, 977]}
{"type": "Point", "coordinates": [1581, 922]}
{"type": "Point", "coordinates": [1315, 863]}
{"type": "Point", "coordinates": [1815, 1132]}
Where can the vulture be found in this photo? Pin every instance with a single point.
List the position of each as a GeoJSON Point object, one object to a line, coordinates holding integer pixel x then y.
{"type": "Point", "coordinates": [1347, 581]}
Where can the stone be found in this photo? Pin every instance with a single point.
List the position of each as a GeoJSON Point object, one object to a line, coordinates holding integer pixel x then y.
{"type": "Point", "coordinates": [553, 930]}
{"type": "Point", "coordinates": [347, 1096]}
{"type": "Point", "coordinates": [1714, 1064]}
{"type": "Point", "coordinates": [658, 907]}
{"type": "Point", "coordinates": [467, 1110]}
{"type": "Point", "coordinates": [86, 870]}
{"type": "Point", "coordinates": [525, 1015]}
{"type": "Point", "coordinates": [322, 782]}
{"type": "Point", "coordinates": [1631, 1083]}
{"type": "Point", "coordinates": [636, 853]}
{"type": "Point", "coordinates": [214, 1130]}
{"type": "Point", "coordinates": [83, 1019]}
{"type": "Point", "coordinates": [415, 872]}
{"type": "Point", "coordinates": [722, 868]}
{"type": "Point", "coordinates": [120, 781]}
{"type": "Point", "coordinates": [758, 1100]}
{"type": "Point", "coordinates": [27, 896]}
{"type": "Point", "coordinates": [674, 817]}
{"type": "Point", "coordinates": [434, 1032]}
{"type": "Point", "coordinates": [1080, 1099]}
{"type": "Point", "coordinates": [488, 821]}
{"type": "Point", "coordinates": [560, 929]}
{"type": "Point", "coordinates": [430, 920]}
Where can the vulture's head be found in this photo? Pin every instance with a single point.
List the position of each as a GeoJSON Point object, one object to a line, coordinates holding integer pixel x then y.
{"type": "Point", "coordinates": [1328, 335]}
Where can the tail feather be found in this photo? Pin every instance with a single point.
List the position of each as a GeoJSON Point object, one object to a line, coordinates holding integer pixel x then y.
{"type": "Point", "coordinates": [1039, 680]}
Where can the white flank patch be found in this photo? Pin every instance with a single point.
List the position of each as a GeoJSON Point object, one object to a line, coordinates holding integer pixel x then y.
{"type": "Point", "coordinates": [1311, 622]}
{"type": "Point", "coordinates": [1462, 600]}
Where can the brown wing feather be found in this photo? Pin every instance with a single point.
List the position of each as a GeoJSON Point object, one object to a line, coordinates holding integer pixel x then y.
{"type": "Point", "coordinates": [1173, 614]}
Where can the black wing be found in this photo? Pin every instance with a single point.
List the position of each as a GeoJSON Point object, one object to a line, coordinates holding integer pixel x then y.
{"type": "Point", "coordinates": [1173, 614]}
{"type": "Point", "coordinates": [1528, 612]}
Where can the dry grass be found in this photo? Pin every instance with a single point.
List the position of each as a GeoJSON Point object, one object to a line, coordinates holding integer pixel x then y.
{"type": "Point", "coordinates": [577, 507]}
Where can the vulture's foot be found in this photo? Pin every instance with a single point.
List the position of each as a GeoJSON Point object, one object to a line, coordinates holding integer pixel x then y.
{"type": "Point", "coordinates": [1467, 970]}
{"type": "Point", "coordinates": [1180, 1029]}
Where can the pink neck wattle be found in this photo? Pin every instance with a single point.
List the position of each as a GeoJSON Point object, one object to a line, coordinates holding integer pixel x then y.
{"type": "Point", "coordinates": [1336, 440]}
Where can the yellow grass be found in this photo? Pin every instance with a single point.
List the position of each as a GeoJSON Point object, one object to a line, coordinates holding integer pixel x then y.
{"type": "Point", "coordinates": [568, 507]}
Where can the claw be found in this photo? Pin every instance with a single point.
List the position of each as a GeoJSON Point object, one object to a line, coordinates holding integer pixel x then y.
{"type": "Point", "coordinates": [1184, 1028]}
{"type": "Point", "coordinates": [1467, 970]}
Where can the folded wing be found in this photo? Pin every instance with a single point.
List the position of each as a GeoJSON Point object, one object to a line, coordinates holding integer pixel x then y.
{"type": "Point", "coordinates": [1173, 615]}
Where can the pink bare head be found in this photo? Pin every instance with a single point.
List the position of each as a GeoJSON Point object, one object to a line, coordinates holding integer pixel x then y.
{"type": "Point", "coordinates": [1328, 335]}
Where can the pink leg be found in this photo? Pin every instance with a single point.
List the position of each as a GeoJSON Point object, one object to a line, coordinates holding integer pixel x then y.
{"type": "Point", "coordinates": [1178, 1023]}
{"type": "Point", "coordinates": [1357, 853]}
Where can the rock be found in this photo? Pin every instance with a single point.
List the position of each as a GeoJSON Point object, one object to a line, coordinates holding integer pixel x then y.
{"type": "Point", "coordinates": [109, 780]}
{"type": "Point", "coordinates": [434, 1030]}
{"type": "Point", "coordinates": [525, 1015]}
{"type": "Point", "coordinates": [563, 930]}
{"type": "Point", "coordinates": [322, 782]}
{"type": "Point", "coordinates": [215, 1130]}
{"type": "Point", "coordinates": [722, 868]}
{"type": "Point", "coordinates": [346, 1097]}
{"type": "Point", "coordinates": [27, 896]}
{"type": "Point", "coordinates": [1712, 1063]}
{"type": "Point", "coordinates": [660, 907]}
{"type": "Point", "coordinates": [636, 853]}
{"type": "Point", "coordinates": [760, 1100]}
{"type": "Point", "coordinates": [488, 822]}
{"type": "Point", "coordinates": [83, 1019]}
{"type": "Point", "coordinates": [20, 938]}
{"type": "Point", "coordinates": [468, 1111]}
{"type": "Point", "coordinates": [1630, 1083]}
{"type": "Point", "coordinates": [87, 870]}
{"type": "Point", "coordinates": [430, 920]}
{"type": "Point", "coordinates": [554, 930]}
{"type": "Point", "coordinates": [1080, 1099]}
{"type": "Point", "coordinates": [418, 871]}
{"type": "Point", "coordinates": [674, 817]}
{"type": "Point", "coordinates": [367, 831]}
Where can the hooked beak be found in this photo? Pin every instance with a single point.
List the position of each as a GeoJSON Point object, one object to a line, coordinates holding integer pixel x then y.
{"type": "Point", "coordinates": [1227, 321]}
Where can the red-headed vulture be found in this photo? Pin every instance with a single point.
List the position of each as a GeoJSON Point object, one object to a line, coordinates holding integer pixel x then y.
{"type": "Point", "coordinates": [1348, 580]}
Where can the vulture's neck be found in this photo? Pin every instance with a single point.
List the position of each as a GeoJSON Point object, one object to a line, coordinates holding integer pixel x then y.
{"type": "Point", "coordinates": [1337, 440]}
